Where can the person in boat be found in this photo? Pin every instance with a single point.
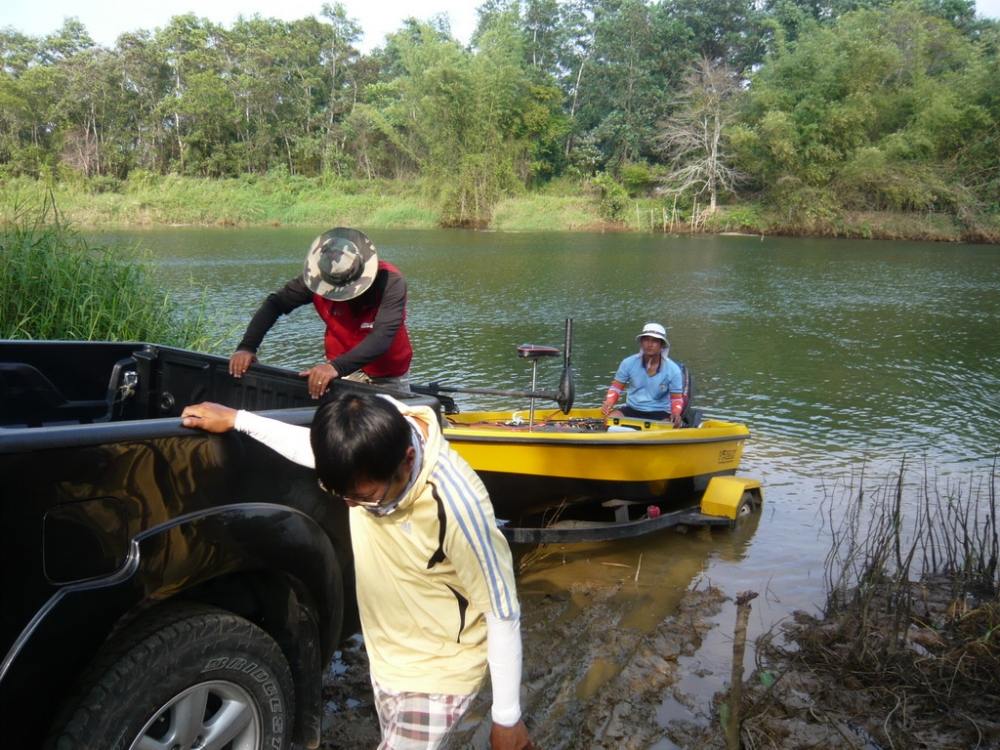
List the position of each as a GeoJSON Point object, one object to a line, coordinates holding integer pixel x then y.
{"type": "Point", "coordinates": [654, 382]}
{"type": "Point", "coordinates": [434, 575]}
{"type": "Point", "coordinates": [362, 301]}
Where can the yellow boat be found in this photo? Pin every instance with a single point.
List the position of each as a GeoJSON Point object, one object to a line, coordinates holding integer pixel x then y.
{"type": "Point", "coordinates": [557, 475]}
{"type": "Point", "coordinates": [557, 457]}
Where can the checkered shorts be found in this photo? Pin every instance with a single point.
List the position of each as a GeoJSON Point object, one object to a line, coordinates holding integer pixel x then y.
{"type": "Point", "coordinates": [416, 721]}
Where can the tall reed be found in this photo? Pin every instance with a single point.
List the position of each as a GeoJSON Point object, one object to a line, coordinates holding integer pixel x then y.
{"type": "Point", "coordinates": [55, 285]}
{"type": "Point", "coordinates": [885, 540]}
{"type": "Point", "coordinates": [907, 652]}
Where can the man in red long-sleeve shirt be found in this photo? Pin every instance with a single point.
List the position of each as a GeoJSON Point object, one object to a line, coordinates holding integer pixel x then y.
{"type": "Point", "coordinates": [361, 299]}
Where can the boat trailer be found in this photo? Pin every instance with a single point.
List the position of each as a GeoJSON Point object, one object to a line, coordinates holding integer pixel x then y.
{"type": "Point", "coordinates": [727, 500]}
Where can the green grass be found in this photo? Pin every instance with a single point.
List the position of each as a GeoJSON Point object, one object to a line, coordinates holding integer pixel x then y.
{"type": "Point", "coordinates": [249, 201]}
{"type": "Point", "coordinates": [542, 212]}
{"type": "Point", "coordinates": [53, 285]}
{"type": "Point", "coordinates": [564, 204]}
{"type": "Point", "coordinates": [403, 214]}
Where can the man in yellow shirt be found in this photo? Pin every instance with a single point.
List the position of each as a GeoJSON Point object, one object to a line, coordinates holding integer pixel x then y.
{"type": "Point", "coordinates": [435, 580]}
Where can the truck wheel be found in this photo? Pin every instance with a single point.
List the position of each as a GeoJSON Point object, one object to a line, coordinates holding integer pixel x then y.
{"type": "Point", "coordinates": [192, 678]}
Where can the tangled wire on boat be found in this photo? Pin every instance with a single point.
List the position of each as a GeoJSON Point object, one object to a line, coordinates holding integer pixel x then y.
{"type": "Point", "coordinates": [555, 425]}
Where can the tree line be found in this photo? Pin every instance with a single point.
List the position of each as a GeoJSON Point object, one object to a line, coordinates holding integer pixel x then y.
{"type": "Point", "coordinates": [808, 106]}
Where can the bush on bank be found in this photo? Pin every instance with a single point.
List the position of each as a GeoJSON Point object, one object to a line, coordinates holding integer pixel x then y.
{"type": "Point", "coordinates": [54, 285]}
{"type": "Point", "coordinates": [907, 650]}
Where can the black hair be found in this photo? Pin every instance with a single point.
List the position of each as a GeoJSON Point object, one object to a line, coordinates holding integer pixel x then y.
{"type": "Point", "coordinates": [357, 436]}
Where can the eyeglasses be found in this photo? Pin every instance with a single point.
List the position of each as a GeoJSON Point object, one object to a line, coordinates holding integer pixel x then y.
{"type": "Point", "coordinates": [364, 502]}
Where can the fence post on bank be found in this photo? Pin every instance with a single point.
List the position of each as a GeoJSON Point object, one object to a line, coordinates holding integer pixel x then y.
{"type": "Point", "coordinates": [736, 678]}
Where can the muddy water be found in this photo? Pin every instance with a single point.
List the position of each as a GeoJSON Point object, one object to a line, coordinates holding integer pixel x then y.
{"type": "Point", "coordinates": [841, 356]}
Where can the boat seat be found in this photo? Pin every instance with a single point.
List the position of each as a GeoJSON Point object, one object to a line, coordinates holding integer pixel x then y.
{"type": "Point", "coordinates": [690, 416]}
{"type": "Point", "coordinates": [536, 351]}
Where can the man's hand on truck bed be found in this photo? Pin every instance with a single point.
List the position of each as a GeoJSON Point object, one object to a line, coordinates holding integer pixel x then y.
{"type": "Point", "coordinates": [240, 362]}
{"type": "Point", "coordinates": [320, 378]}
{"type": "Point", "coordinates": [209, 416]}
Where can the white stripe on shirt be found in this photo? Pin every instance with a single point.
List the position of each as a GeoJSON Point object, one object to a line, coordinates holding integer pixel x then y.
{"type": "Point", "coordinates": [477, 530]}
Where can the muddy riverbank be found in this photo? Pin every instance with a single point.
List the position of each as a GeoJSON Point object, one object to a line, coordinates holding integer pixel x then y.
{"type": "Point", "coordinates": [588, 682]}
{"type": "Point", "coordinates": [623, 650]}
{"type": "Point", "coordinates": [613, 647]}
{"type": "Point", "coordinates": [592, 682]}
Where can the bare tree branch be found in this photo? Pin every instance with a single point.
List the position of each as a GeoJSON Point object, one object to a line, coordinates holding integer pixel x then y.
{"type": "Point", "coordinates": [693, 136]}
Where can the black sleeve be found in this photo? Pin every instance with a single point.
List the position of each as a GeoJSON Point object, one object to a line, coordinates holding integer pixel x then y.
{"type": "Point", "coordinates": [292, 295]}
{"type": "Point", "coordinates": [388, 319]}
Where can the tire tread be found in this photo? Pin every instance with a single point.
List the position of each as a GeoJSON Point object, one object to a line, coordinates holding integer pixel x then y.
{"type": "Point", "coordinates": [137, 648]}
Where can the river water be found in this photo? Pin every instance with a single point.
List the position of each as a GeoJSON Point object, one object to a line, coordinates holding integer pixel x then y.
{"type": "Point", "coordinates": [839, 355]}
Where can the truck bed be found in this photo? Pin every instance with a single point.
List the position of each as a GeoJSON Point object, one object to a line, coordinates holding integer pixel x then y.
{"type": "Point", "coordinates": [47, 383]}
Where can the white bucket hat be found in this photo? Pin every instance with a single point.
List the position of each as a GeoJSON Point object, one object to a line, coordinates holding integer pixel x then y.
{"type": "Point", "coordinates": [341, 264]}
{"type": "Point", "coordinates": [654, 330]}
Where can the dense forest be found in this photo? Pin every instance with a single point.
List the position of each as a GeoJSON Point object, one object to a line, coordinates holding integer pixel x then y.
{"type": "Point", "coordinates": [807, 107]}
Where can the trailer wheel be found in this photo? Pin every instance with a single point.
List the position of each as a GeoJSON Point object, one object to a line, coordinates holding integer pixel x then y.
{"type": "Point", "coordinates": [748, 505]}
{"type": "Point", "coordinates": [191, 677]}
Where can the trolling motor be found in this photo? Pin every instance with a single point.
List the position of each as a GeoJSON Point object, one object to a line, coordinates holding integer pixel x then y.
{"type": "Point", "coordinates": [563, 395]}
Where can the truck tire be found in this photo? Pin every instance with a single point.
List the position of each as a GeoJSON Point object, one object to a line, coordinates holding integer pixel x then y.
{"type": "Point", "coordinates": [189, 677]}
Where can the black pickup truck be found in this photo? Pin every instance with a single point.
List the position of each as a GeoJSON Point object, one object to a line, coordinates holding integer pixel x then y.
{"type": "Point", "coordinates": [159, 587]}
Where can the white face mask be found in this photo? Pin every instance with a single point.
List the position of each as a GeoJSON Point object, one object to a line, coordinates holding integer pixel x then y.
{"type": "Point", "coordinates": [418, 460]}
{"type": "Point", "coordinates": [385, 510]}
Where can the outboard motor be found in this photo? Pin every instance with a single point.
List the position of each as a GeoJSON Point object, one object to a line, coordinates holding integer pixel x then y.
{"type": "Point", "coordinates": [567, 390]}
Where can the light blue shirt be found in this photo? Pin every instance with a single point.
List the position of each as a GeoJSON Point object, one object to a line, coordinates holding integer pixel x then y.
{"type": "Point", "coordinates": [650, 392]}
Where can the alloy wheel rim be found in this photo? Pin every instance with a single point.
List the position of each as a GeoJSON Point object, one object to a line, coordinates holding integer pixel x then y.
{"type": "Point", "coordinates": [212, 715]}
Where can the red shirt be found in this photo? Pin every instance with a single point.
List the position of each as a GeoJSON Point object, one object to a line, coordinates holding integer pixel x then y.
{"type": "Point", "coordinates": [366, 333]}
{"type": "Point", "coordinates": [369, 332]}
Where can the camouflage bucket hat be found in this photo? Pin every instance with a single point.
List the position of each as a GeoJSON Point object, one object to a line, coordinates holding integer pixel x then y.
{"type": "Point", "coordinates": [341, 264]}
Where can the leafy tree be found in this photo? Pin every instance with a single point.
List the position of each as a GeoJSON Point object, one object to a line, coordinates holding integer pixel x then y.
{"type": "Point", "coordinates": [619, 95]}
{"type": "Point", "coordinates": [340, 61]}
{"type": "Point", "coordinates": [722, 31]}
{"type": "Point", "coordinates": [17, 51]}
{"type": "Point", "coordinates": [71, 39]}
{"type": "Point", "coordinates": [88, 109]}
{"type": "Point", "coordinates": [143, 137]}
{"type": "Point", "coordinates": [539, 23]}
{"type": "Point", "coordinates": [871, 112]}
{"type": "Point", "coordinates": [188, 46]}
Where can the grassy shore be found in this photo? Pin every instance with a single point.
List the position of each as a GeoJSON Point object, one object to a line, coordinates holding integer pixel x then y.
{"type": "Point", "coordinates": [566, 205]}
{"type": "Point", "coordinates": [55, 285]}
{"type": "Point", "coordinates": [265, 201]}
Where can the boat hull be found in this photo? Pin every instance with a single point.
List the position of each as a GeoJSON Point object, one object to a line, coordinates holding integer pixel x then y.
{"type": "Point", "coordinates": [567, 458]}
